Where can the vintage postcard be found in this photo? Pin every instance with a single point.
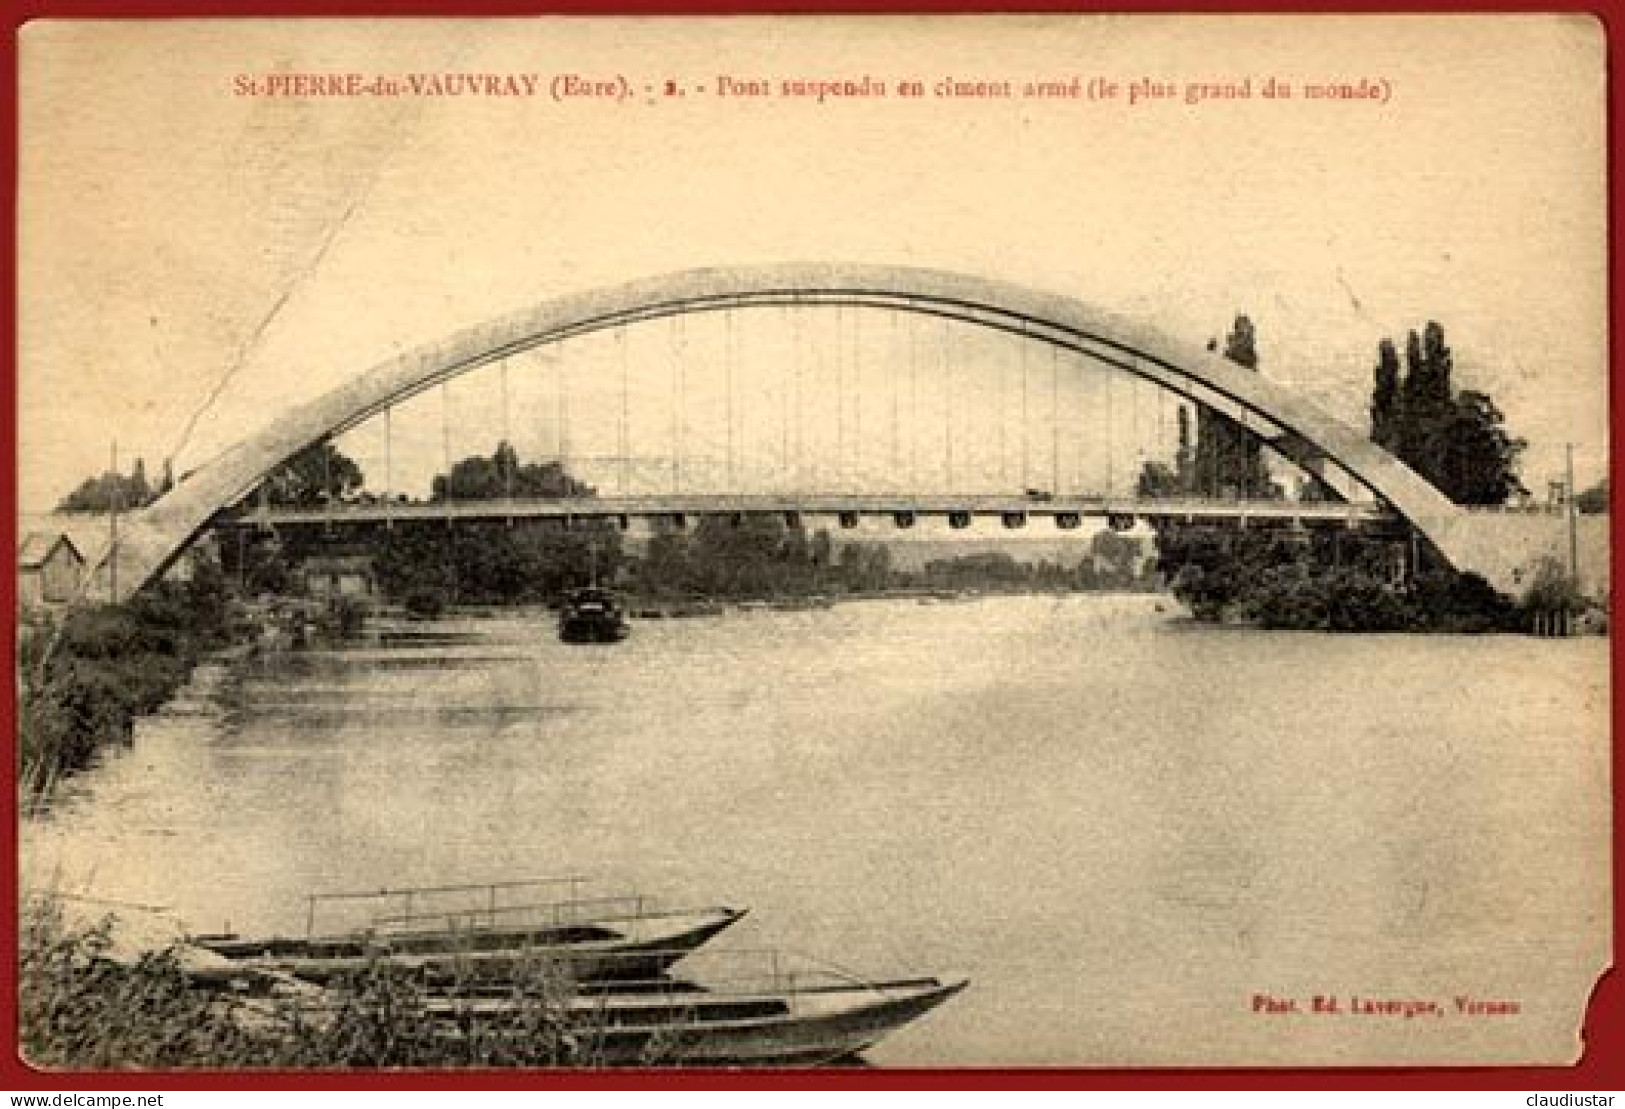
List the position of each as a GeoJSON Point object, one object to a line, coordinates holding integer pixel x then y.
{"type": "Point", "coordinates": [927, 542]}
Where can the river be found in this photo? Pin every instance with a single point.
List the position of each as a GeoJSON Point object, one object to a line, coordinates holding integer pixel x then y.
{"type": "Point", "coordinates": [1122, 826]}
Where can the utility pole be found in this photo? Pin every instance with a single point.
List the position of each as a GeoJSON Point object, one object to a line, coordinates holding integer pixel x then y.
{"type": "Point", "coordinates": [112, 532]}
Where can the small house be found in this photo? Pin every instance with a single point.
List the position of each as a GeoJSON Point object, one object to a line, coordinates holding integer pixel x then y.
{"type": "Point", "coordinates": [49, 569]}
{"type": "Point", "coordinates": [333, 576]}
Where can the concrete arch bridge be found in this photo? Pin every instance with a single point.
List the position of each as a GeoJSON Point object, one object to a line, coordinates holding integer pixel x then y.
{"type": "Point", "coordinates": [1077, 335]}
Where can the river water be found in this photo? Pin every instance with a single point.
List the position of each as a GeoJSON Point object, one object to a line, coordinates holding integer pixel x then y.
{"type": "Point", "coordinates": [1122, 826]}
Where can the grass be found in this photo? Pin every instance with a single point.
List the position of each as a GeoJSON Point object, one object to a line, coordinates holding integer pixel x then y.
{"type": "Point", "coordinates": [84, 1004]}
{"type": "Point", "coordinates": [82, 1009]}
{"type": "Point", "coordinates": [87, 675]}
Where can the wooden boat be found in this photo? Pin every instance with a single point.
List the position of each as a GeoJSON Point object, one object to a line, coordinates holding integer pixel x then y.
{"type": "Point", "coordinates": [730, 1008]}
{"type": "Point", "coordinates": [773, 1024]}
{"type": "Point", "coordinates": [585, 938]}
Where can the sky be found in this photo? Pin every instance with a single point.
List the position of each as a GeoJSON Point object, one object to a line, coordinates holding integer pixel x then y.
{"type": "Point", "coordinates": [193, 261]}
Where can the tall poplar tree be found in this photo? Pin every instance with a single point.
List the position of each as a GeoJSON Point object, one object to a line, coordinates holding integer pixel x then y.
{"type": "Point", "coordinates": [1385, 401]}
{"type": "Point", "coordinates": [1456, 441]}
{"type": "Point", "coordinates": [1229, 461]}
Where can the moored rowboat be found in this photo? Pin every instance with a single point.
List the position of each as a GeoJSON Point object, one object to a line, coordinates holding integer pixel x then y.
{"type": "Point", "coordinates": [683, 1025]}
{"type": "Point", "coordinates": [632, 945]}
{"type": "Point", "coordinates": [585, 938]}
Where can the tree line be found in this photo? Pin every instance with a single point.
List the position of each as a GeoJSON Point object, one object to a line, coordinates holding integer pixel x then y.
{"type": "Point", "coordinates": [112, 490]}
{"type": "Point", "coordinates": [429, 566]}
{"type": "Point", "coordinates": [1456, 440]}
{"type": "Point", "coordinates": [1327, 578]}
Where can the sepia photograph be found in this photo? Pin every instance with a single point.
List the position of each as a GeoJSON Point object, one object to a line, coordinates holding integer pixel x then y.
{"type": "Point", "coordinates": [901, 542]}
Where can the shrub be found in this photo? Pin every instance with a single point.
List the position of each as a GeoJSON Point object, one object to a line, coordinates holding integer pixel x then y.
{"type": "Point", "coordinates": [1448, 601]}
{"type": "Point", "coordinates": [1553, 591]}
{"type": "Point", "coordinates": [80, 1008]}
{"type": "Point", "coordinates": [86, 679]}
{"type": "Point", "coordinates": [424, 601]}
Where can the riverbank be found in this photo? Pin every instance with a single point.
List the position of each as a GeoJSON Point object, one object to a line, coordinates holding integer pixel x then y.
{"type": "Point", "coordinates": [87, 1001]}
{"type": "Point", "coordinates": [1287, 584]}
{"type": "Point", "coordinates": [88, 674]}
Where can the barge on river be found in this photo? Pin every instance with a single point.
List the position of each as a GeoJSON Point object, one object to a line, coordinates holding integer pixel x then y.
{"type": "Point", "coordinates": [592, 614]}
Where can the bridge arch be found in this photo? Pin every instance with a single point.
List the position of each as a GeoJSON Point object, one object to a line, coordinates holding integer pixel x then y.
{"type": "Point", "coordinates": [1295, 426]}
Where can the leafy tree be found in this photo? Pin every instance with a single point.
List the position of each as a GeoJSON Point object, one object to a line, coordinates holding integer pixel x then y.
{"type": "Point", "coordinates": [865, 567]}
{"type": "Point", "coordinates": [744, 558]}
{"type": "Point", "coordinates": [1552, 590]}
{"type": "Point", "coordinates": [259, 561]}
{"type": "Point", "coordinates": [1157, 479]}
{"type": "Point", "coordinates": [1456, 441]}
{"type": "Point", "coordinates": [1331, 581]}
{"type": "Point", "coordinates": [820, 551]}
{"type": "Point", "coordinates": [1229, 460]}
{"type": "Point", "coordinates": [502, 475]}
{"type": "Point", "coordinates": [983, 570]}
{"type": "Point", "coordinates": [1385, 400]}
{"type": "Point", "coordinates": [1463, 602]}
{"type": "Point", "coordinates": [666, 565]}
{"type": "Point", "coordinates": [1472, 458]}
{"type": "Point", "coordinates": [1429, 363]}
{"type": "Point", "coordinates": [1295, 595]}
{"type": "Point", "coordinates": [497, 562]}
{"type": "Point", "coordinates": [1115, 558]}
{"type": "Point", "coordinates": [1425, 400]}
{"type": "Point", "coordinates": [140, 492]}
{"type": "Point", "coordinates": [1211, 569]}
{"type": "Point", "coordinates": [493, 563]}
{"type": "Point", "coordinates": [1160, 479]}
{"type": "Point", "coordinates": [1593, 500]}
{"type": "Point", "coordinates": [752, 557]}
{"type": "Point", "coordinates": [109, 491]}
{"type": "Point", "coordinates": [317, 474]}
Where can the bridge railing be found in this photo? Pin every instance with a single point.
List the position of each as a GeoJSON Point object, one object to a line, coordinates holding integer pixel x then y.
{"type": "Point", "coordinates": [1067, 510]}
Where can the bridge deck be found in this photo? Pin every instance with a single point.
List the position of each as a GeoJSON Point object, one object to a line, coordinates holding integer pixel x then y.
{"type": "Point", "coordinates": [666, 505]}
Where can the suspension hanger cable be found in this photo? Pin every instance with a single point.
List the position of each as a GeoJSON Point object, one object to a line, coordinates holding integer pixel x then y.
{"type": "Point", "coordinates": [1055, 418]}
{"type": "Point", "coordinates": [389, 463]}
{"type": "Point", "coordinates": [857, 396]}
{"type": "Point", "coordinates": [896, 390]}
{"type": "Point", "coordinates": [948, 400]}
{"type": "Point", "coordinates": [677, 344]}
{"type": "Point", "coordinates": [1026, 431]}
{"type": "Point", "coordinates": [728, 392]}
{"type": "Point", "coordinates": [1000, 409]}
{"type": "Point", "coordinates": [840, 402]}
{"type": "Point", "coordinates": [798, 476]}
{"type": "Point", "coordinates": [913, 403]}
{"type": "Point", "coordinates": [564, 410]}
{"type": "Point", "coordinates": [445, 435]}
{"type": "Point", "coordinates": [784, 399]}
{"type": "Point", "coordinates": [625, 444]}
{"type": "Point", "coordinates": [1111, 428]}
{"type": "Point", "coordinates": [512, 458]}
